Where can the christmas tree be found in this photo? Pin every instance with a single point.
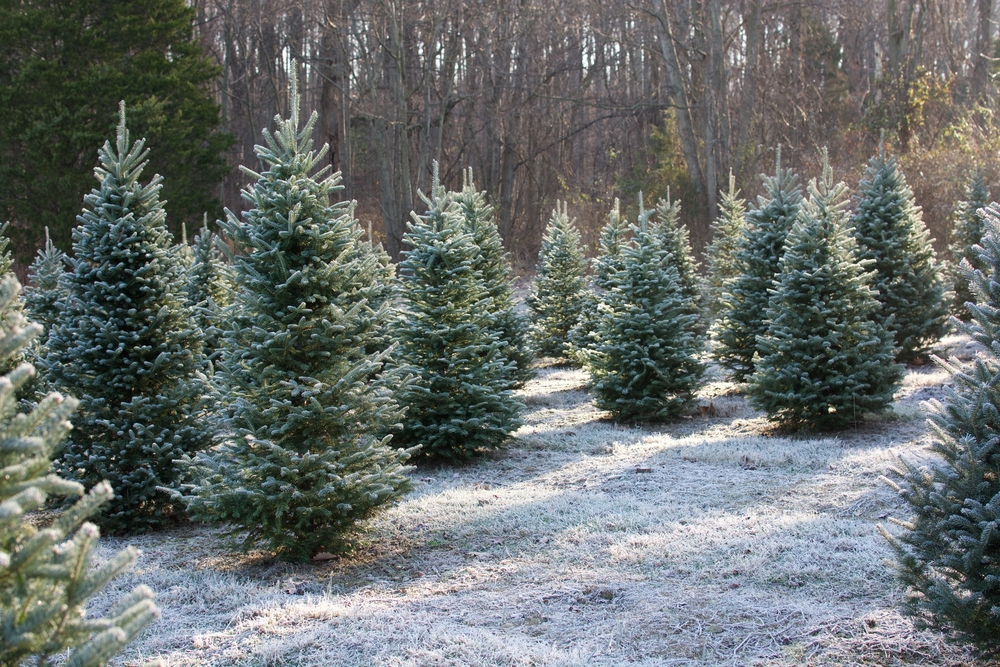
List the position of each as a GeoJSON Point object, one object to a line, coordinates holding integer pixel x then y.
{"type": "Point", "coordinates": [123, 343]}
{"type": "Point", "coordinates": [949, 551]}
{"type": "Point", "coordinates": [605, 269]}
{"type": "Point", "coordinates": [557, 299]}
{"type": "Point", "coordinates": [721, 252]}
{"type": "Point", "coordinates": [966, 233]}
{"type": "Point", "coordinates": [47, 574]}
{"type": "Point", "coordinates": [825, 361]}
{"type": "Point", "coordinates": [745, 298]}
{"type": "Point", "coordinates": [450, 341]}
{"type": "Point", "coordinates": [890, 231]}
{"type": "Point", "coordinates": [304, 461]}
{"type": "Point", "coordinates": [43, 293]}
{"type": "Point", "coordinates": [209, 288]}
{"type": "Point", "coordinates": [494, 269]}
{"type": "Point", "coordinates": [645, 364]}
{"type": "Point", "coordinates": [676, 242]}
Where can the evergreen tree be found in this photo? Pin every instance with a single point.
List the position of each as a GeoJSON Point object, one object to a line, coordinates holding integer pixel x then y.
{"type": "Point", "coordinates": [123, 342]}
{"type": "Point", "coordinates": [889, 229]}
{"type": "Point", "coordinates": [63, 68]}
{"type": "Point", "coordinates": [825, 361]}
{"type": "Point", "coordinates": [745, 298]}
{"type": "Point", "coordinates": [966, 234]}
{"type": "Point", "coordinates": [449, 340]}
{"type": "Point", "coordinates": [645, 362]}
{"type": "Point", "coordinates": [605, 267]}
{"type": "Point", "coordinates": [557, 299]}
{"type": "Point", "coordinates": [209, 288]}
{"type": "Point", "coordinates": [676, 242]}
{"type": "Point", "coordinates": [303, 463]}
{"type": "Point", "coordinates": [47, 574]}
{"type": "Point", "coordinates": [721, 252]}
{"type": "Point", "coordinates": [494, 269]}
{"type": "Point", "coordinates": [949, 552]}
{"type": "Point", "coordinates": [43, 294]}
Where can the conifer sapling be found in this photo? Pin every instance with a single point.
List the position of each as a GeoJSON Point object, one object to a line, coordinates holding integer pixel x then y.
{"type": "Point", "coordinates": [305, 461]}
{"type": "Point", "coordinates": [450, 340]}
{"type": "Point", "coordinates": [125, 345]}
{"type": "Point", "coordinates": [48, 573]}
{"type": "Point", "coordinates": [948, 553]}
{"type": "Point", "coordinates": [825, 359]}
{"type": "Point", "coordinates": [557, 299]}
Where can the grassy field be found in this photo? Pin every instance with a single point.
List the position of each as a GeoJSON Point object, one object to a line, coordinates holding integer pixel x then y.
{"type": "Point", "coordinates": [710, 541]}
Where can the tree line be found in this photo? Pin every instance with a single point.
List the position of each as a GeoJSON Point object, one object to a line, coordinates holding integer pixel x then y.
{"type": "Point", "coordinates": [559, 100]}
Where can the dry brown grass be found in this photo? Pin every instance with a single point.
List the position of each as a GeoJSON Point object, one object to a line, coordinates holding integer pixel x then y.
{"type": "Point", "coordinates": [705, 542]}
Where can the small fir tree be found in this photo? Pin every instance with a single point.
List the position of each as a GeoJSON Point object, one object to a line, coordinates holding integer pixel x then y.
{"type": "Point", "coordinates": [676, 242]}
{"type": "Point", "coordinates": [741, 319]}
{"type": "Point", "coordinates": [304, 461]}
{"type": "Point", "coordinates": [949, 551]}
{"type": "Point", "coordinates": [721, 252]}
{"type": "Point", "coordinates": [889, 229]}
{"type": "Point", "coordinates": [43, 294]}
{"type": "Point", "coordinates": [605, 269]}
{"type": "Point", "coordinates": [966, 234]}
{"type": "Point", "coordinates": [825, 361]}
{"type": "Point", "coordinates": [494, 269]}
{"type": "Point", "coordinates": [47, 574]}
{"type": "Point", "coordinates": [460, 400]}
{"type": "Point", "coordinates": [209, 288]}
{"type": "Point", "coordinates": [645, 363]}
{"type": "Point", "coordinates": [557, 300]}
{"type": "Point", "coordinates": [123, 342]}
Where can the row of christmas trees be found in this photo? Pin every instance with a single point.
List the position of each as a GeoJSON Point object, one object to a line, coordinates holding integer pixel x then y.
{"type": "Point", "coordinates": [329, 375]}
{"type": "Point", "coordinates": [815, 308]}
{"type": "Point", "coordinates": [811, 305]}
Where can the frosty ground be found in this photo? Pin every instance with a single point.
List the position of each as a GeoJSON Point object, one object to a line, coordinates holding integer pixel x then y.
{"type": "Point", "coordinates": [710, 541]}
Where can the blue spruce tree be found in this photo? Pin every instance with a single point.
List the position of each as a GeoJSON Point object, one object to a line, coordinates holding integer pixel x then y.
{"type": "Point", "coordinates": [124, 343]}
{"type": "Point", "coordinates": [306, 400]}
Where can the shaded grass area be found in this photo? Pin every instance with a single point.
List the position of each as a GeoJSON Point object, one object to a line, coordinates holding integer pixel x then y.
{"type": "Point", "coordinates": [705, 542]}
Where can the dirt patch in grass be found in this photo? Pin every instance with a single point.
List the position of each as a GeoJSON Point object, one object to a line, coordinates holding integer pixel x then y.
{"type": "Point", "coordinates": [585, 542]}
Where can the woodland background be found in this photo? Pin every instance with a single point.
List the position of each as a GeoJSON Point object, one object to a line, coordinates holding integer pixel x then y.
{"type": "Point", "coordinates": [585, 100]}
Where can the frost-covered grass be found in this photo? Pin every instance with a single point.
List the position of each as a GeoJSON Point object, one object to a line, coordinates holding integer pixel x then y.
{"type": "Point", "coordinates": [711, 541]}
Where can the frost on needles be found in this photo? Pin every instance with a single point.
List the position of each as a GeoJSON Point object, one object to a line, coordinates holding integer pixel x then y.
{"type": "Point", "coordinates": [948, 554]}
{"type": "Point", "coordinates": [824, 359]}
{"type": "Point", "coordinates": [124, 343]}
{"type": "Point", "coordinates": [303, 462]}
{"type": "Point", "coordinates": [48, 573]}
{"type": "Point", "coordinates": [451, 339]}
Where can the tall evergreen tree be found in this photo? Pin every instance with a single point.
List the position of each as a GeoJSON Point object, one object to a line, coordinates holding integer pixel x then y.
{"type": "Point", "coordinates": [44, 292]}
{"type": "Point", "coordinates": [745, 298]}
{"type": "Point", "coordinates": [605, 269]}
{"type": "Point", "coordinates": [557, 299]}
{"type": "Point", "coordinates": [645, 363]}
{"type": "Point", "coordinates": [63, 68]}
{"type": "Point", "coordinates": [825, 360]}
{"type": "Point", "coordinates": [721, 252]}
{"type": "Point", "coordinates": [124, 344]}
{"type": "Point", "coordinates": [966, 234]}
{"type": "Point", "coordinates": [303, 463]}
{"type": "Point", "coordinates": [494, 269]}
{"type": "Point", "coordinates": [675, 239]}
{"type": "Point", "coordinates": [449, 340]}
{"type": "Point", "coordinates": [47, 573]}
{"type": "Point", "coordinates": [208, 288]}
{"type": "Point", "coordinates": [949, 551]}
{"type": "Point", "coordinates": [889, 229]}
